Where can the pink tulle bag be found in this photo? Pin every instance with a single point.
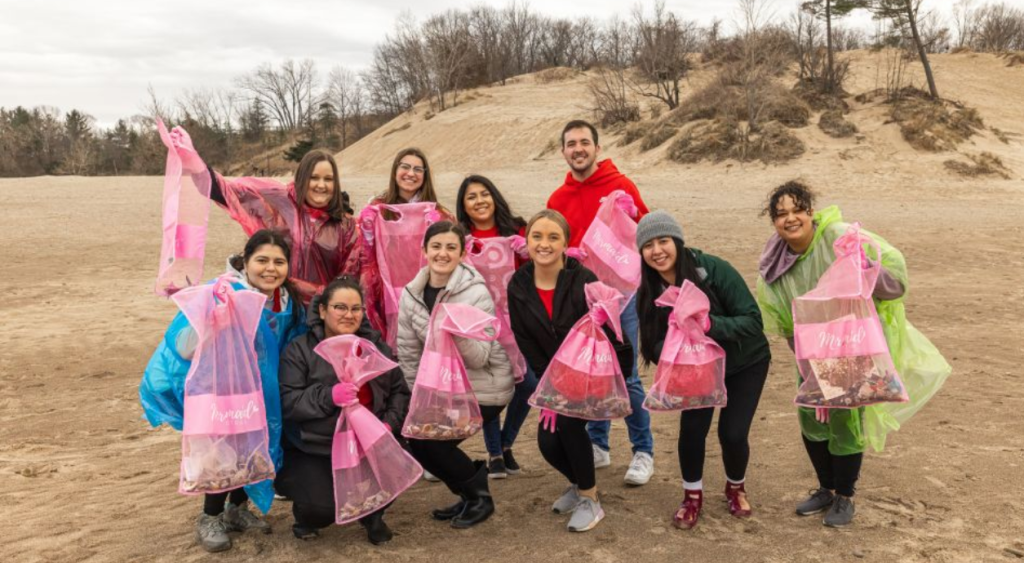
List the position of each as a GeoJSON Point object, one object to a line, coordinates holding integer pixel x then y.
{"type": "Point", "coordinates": [395, 234]}
{"type": "Point", "coordinates": [584, 379]}
{"type": "Point", "coordinates": [225, 443]}
{"type": "Point", "coordinates": [608, 248]}
{"type": "Point", "coordinates": [841, 351]}
{"type": "Point", "coordinates": [443, 405]}
{"type": "Point", "coordinates": [370, 467]}
{"type": "Point", "coordinates": [495, 259]}
{"type": "Point", "coordinates": [691, 369]}
{"type": "Point", "coordinates": [186, 211]}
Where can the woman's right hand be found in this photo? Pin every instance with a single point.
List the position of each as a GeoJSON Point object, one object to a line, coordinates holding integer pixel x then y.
{"type": "Point", "coordinates": [345, 394]}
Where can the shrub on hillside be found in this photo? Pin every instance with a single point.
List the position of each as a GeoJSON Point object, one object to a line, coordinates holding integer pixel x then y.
{"type": "Point", "coordinates": [833, 124]}
{"type": "Point", "coordinates": [657, 136]}
{"type": "Point", "coordinates": [984, 164]}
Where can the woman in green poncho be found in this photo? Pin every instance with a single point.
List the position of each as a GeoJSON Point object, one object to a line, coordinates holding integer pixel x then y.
{"type": "Point", "coordinates": [793, 260]}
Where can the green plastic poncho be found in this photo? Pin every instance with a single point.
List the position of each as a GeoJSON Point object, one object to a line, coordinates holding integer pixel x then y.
{"type": "Point", "coordinates": [919, 364]}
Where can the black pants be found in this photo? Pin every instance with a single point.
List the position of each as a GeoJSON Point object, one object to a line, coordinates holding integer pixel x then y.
{"type": "Point", "coordinates": [837, 473]}
{"type": "Point", "coordinates": [744, 392]}
{"type": "Point", "coordinates": [444, 459]}
{"type": "Point", "coordinates": [213, 504]}
{"type": "Point", "coordinates": [568, 450]}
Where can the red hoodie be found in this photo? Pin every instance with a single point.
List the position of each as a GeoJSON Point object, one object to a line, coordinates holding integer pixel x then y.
{"type": "Point", "coordinates": [578, 201]}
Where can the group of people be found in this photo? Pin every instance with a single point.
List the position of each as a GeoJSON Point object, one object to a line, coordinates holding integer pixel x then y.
{"type": "Point", "coordinates": [307, 255]}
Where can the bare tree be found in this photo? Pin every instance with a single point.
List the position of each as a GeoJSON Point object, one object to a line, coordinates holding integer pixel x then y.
{"type": "Point", "coordinates": [618, 44]}
{"type": "Point", "coordinates": [664, 44]}
{"type": "Point", "coordinates": [965, 17]}
{"type": "Point", "coordinates": [999, 28]}
{"type": "Point", "coordinates": [904, 15]}
{"type": "Point", "coordinates": [343, 93]}
{"type": "Point", "coordinates": [828, 10]}
{"type": "Point", "coordinates": [611, 91]}
{"type": "Point", "coordinates": [287, 92]}
{"type": "Point", "coordinates": [447, 48]}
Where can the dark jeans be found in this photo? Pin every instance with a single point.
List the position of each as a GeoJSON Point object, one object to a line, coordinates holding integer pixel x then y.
{"type": "Point", "coordinates": [837, 473]}
{"type": "Point", "coordinates": [568, 450]}
{"type": "Point", "coordinates": [308, 480]}
{"type": "Point", "coordinates": [744, 392]}
{"type": "Point", "coordinates": [498, 438]}
{"type": "Point", "coordinates": [444, 459]}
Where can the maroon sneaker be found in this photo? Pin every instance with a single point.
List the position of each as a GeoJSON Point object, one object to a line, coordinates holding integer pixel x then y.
{"type": "Point", "coordinates": [689, 511]}
{"type": "Point", "coordinates": [737, 497]}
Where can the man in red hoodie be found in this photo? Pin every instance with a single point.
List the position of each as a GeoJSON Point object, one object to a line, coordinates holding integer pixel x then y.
{"type": "Point", "coordinates": [578, 199]}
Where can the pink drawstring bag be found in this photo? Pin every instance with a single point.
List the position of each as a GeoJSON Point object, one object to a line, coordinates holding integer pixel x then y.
{"type": "Point", "coordinates": [691, 369]}
{"type": "Point", "coordinates": [840, 348]}
{"type": "Point", "coordinates": [495, 259]}
{"type": "Point", "coordinates": [608, 248]}
{"type": "Point", "coordinates": [394, 235]}
{"type": "Point", "coordinates": [186, 210]}
{"type": "Point", "coordinates": [584, 379]}
{"type": "Point", "coordinates": [224, 442]}
{"type": "Point", "coordinates": [370, 467]}
{"type": "Point", "coordinates": [443, 405]}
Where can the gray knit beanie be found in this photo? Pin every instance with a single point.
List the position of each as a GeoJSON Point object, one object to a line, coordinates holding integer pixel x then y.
{"type": "Point", "coordinates": [657, 224]}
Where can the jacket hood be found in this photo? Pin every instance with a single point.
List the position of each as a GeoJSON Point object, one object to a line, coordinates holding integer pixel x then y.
{"type": "Point", "coordinates": [606, 173]}
{"type": "Point", "coordinates": [462, 278]}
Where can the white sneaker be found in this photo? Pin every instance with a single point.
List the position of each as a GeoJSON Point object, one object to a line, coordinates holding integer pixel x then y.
{"type": "Point", "coordinates": [428, 477]}
{"type": "Point", "coordinates": [586, 515]}
{"type": "Point", "coordinates": [640, 469]}
{"type": "Point", "coordinates": [601, 457]}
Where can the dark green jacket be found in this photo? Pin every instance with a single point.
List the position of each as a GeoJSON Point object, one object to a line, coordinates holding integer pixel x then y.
{"type": "Point", "coordinates": [735, 317]}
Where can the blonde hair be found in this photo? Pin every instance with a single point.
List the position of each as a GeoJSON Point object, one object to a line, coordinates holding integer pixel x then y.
{"type": "Point", "coordinates": [550, 215]}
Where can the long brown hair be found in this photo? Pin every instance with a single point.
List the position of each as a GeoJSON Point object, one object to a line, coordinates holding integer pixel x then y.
{"type": "Point", "coordinates": [335, 207]}
{"type": "Point", "coordinates": [427, 193]}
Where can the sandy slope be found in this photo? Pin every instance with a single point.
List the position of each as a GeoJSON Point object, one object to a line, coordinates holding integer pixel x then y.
{"type": "Point", "coordinates": [85, 479]}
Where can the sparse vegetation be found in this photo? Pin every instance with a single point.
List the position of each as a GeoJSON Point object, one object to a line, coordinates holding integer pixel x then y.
{"type": "Point", "coordinates": [721, 139]}
{"type": "Point", "coordinates": [397, 129]}
{"type": "Point", "coordinates": [834, 125]}
{"type": "Point", "coordinates": [636, 131]}
{"type": "Point", "coordinates": [984, 164]}
{"type": "Point", "coordinates": [555, 74]}
{"type": "Point", "coordinates": [933, 126]}
{"type": "Point", "coordinates": [657, 136]}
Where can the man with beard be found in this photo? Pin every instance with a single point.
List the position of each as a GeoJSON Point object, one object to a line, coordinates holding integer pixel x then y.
{"type": "Point", "coordinates": [578, 199]}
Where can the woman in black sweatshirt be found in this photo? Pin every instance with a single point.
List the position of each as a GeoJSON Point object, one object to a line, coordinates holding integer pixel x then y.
{"type": "Point", "coordinates": [546, 298]}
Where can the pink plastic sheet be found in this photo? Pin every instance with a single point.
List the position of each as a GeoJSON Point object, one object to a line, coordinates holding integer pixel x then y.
{"type": "Point", "coordinates": [186, 210]}
{"type": "Point", "coordinates": [443, 405]}
{"type": "Point", "coordinates": [370, 467]}
{"type": "Point", "coordinates": [608, 248]}
{"type": "Point", "coordinates": [841, 351]}
{"type": "Point", "coordinates": [584, 379]}
{"type": "Point", "coordinates": [691, 369]}
{"type": "Point", "coordinates": [225, 443]}
{"type": "Point", "coordinates": [495, 259]}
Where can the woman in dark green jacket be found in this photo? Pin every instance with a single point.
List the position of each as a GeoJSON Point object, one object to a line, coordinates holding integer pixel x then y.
{"type": "Point", "coordinates": [736, 327]}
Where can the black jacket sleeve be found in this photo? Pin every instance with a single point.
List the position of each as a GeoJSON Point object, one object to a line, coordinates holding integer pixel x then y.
{"type": "Point", "coordinates": [398, 400]}
{"type": "Point", "coordinates": [216, 191]}
{"type": "Point", "coordinates": [742, 316]}
{"type": "Point", "coordinates": [301, 398]}
{"type": "Point", "coordinates": [525, 339]}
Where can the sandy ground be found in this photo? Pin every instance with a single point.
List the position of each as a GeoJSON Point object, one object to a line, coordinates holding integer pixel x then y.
{"type": "Point", "coordinates": [85, 478]}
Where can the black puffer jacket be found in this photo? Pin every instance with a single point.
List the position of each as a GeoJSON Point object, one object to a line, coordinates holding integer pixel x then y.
{"type": "Point", "coordinates": [306, 379]}
{"type": "Point", "coordinates": [539, 336]}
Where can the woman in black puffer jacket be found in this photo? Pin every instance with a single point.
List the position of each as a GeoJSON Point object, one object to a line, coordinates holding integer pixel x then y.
{"type": "Point", "coordinates": [310, 412]}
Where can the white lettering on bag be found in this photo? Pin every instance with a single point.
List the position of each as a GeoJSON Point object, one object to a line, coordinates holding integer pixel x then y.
{"type": "Point", "coordinates": [834, 342]}
{"type": "Point", "coordinates": [587, 355]}
{"type": "Point", "coordinates": [233, 414]}
{"type": "Point", "coordinates": [612, 250]}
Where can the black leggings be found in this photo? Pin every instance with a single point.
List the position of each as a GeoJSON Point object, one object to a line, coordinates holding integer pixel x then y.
{"type": "Point", "coordinates": [744, 392]}
{"type": "Point", "coordinates": [213, 504]}
{"type": "Point", "coordinates": [444, 459]}
{"type": "Point", "coordinates": [568, 450]}
{"type": "Point", "coordinates": [835, 472]}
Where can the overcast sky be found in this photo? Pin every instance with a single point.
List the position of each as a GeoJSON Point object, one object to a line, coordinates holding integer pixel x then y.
{"type": "Point", "coordinates": [100, 56]}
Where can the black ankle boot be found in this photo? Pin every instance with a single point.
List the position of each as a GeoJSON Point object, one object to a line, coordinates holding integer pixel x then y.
{"type": "Point", "coordinates": [449, 512]}
{"type": "Point", "coordinates": [376, 530]}
{"type": "Point", "coordinates": [479, 504]}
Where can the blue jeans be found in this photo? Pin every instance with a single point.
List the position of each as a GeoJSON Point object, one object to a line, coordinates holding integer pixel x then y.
{"type": "Point", "coordinates": [497, 438]}
{"type": "Point", "coordinates": [638, 423]}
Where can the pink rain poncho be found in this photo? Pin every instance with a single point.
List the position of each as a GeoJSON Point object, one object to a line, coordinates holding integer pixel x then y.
{"type": "Point", "coordinates": [225, 443]}
{"type": "Point", "coordinates": [186, 211]}
{"type": "Point", "coordinates": [608, 248]}
{"type": "Point", "coordinates": [584, 379]}
{"type": "Point", "coordinates": [323, 247]}
{"type": "Point", "coordinates": [392, 255]}
{"type": "Point", "coordinates": [840, 348]}
{"type": "Point", "coordinates": [691, 369]}
{"type": "Point", "coordinates": [495, 259]}
{"type": "Point", "coordinates": [443, 405]}
{"type": "Point", "coordinates": [370, 467]}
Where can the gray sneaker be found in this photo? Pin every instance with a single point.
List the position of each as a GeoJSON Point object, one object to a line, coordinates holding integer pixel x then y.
{"type": "Point", "coordinates": [211, 533]}
{"type": "Point", "coordinates": [586, 515]}
{"type": "Point", "coordinates": [819, 500]}
{"type": "Point", "coordinates": [841, 513]}
{"type": "Point", "coordinates": [238, 518]}
{"type": "Point", "coordinates": [568, 501]}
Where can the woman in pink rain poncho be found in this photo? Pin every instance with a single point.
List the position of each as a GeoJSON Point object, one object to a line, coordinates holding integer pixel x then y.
{"type": "Point", "coordinates": [311, 401]}
{"type": "Point", "coordinates": [723, 301]}
{"type": "Point", "coordinates": [311, 211]}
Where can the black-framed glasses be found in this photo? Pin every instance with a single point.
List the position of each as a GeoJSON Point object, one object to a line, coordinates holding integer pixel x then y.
{"type": "Point", "coordinates": [408, 167]}
{"type": "Point", "coordinates": [343, 310]}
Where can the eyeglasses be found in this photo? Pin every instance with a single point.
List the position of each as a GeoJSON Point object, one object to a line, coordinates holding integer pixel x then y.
{"type": "Point", "coordinates": [345, 309]}
{"type": "Point", "coordinates": [408, 167]}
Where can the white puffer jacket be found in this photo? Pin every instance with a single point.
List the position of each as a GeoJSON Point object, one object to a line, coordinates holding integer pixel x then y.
{"type": "Point", "coordinates": [487, 364]}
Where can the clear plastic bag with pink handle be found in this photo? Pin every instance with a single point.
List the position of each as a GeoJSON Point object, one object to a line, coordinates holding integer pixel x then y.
{"type": "Point", "coordinates": [443, 405]}
{"type": "Point", "coordinates": [608, 248]}
{"type": "Point", "coordinates": [225, 442]}
{"type": "Point", "coordinates": [495, 259]}
{"type": "Point", "coordinates": [584, 379]}
{"type": "Point", "coordinates": [370, 467]}
{"type": "Point", "coordinates": [186, 211]}
{"type": "Point", "coordinates": [691, 369]}
{"type": "Point", "coordinates": [840, 347]}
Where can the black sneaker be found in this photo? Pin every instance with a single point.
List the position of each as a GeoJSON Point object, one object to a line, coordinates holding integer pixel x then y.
{"type": "Point", "coordinates": [304, 533]}
{"type": "Point", "coordinates": [510, 463]}
{"type": "Point", "coordinates": [820, 499]}
{"type": "Point", "coordinates": [496, 468]}
{"type": "Point", "coordinates": [841, 513]}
